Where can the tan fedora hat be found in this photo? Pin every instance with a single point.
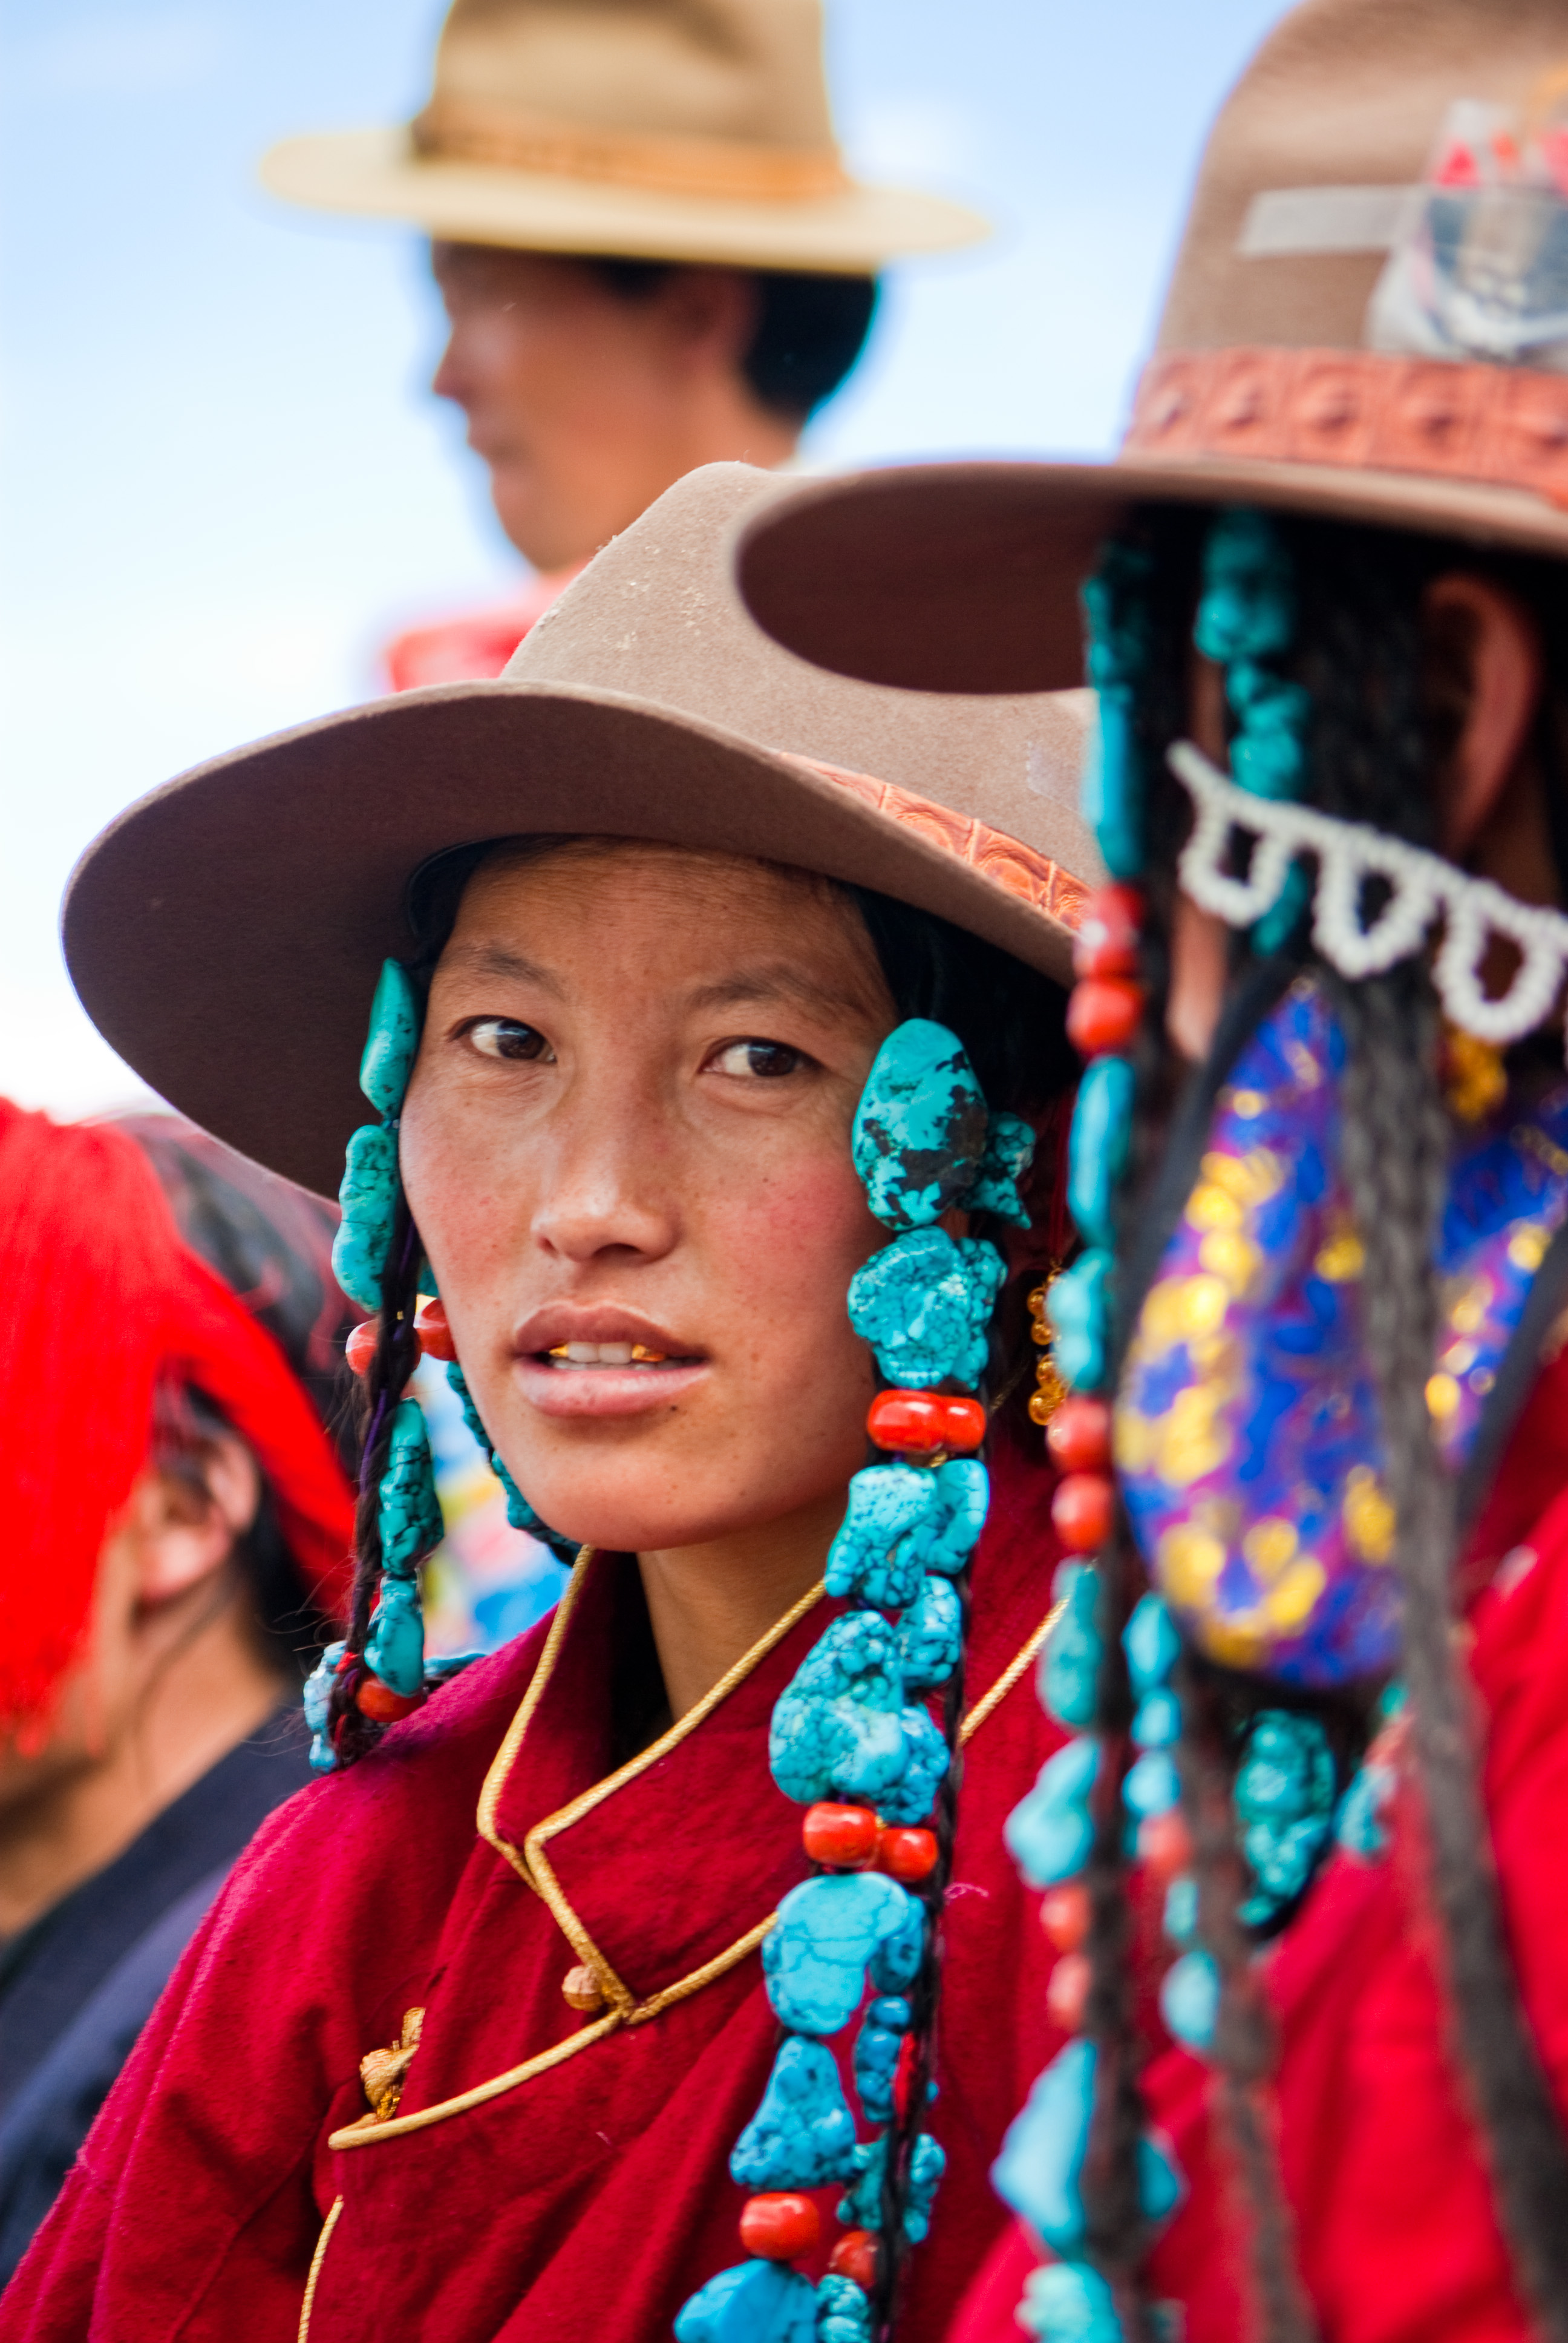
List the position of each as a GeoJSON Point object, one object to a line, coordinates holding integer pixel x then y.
{"type": "Point", "coordinates": [1366, 320]}
{"type": "Point", "coordinates": [651, 129]}
{"type": "Point", "coordinates": [225, 932]}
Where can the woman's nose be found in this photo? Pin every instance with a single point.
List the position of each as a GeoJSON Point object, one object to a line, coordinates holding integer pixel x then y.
{"type": "Point", "coordinates": [610, 1188]}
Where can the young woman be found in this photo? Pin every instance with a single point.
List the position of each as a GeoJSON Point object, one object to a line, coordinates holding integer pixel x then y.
{"type": "Point", "coordinates": [1327, 1649]}
{"type": "Point", "coordinates": [172, 1358]}
{"type": "Point", "coordinates": [539, 2016]}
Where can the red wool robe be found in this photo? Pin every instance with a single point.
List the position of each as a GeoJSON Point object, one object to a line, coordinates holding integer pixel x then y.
{"type": "Point", "coordinates": [592, 2195]}
{"type": "Point", "coordinates": [1396, 2229]}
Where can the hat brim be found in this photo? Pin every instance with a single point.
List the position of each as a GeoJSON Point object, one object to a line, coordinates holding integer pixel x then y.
{"type": "Point", "coordinates": [225, 934]}
{"type": "Point", "coordinates": [374, 173]}
{"type": "Point", "coordinates": [965, 578]}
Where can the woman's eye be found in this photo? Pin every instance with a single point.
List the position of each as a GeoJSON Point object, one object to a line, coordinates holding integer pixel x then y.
{"type": "Point", "coordinates": [765, 1058]}
{"type": "Point", "coordinates": [507, 1037]}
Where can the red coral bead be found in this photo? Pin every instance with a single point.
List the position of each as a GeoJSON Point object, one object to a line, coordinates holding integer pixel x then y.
{"type": "Point", "coordinates": [1064, 1915]}
{"type": "Point", "coordinates": [856, 2256]}
{"type": "Point", "coordinates": [1104, 1014]}
{"type": "Point", "coordinates": [360, 1347]}
{"type": "Point", "coordinates": [435, 1334]}
{"type": "Point", "coordinates": [779, 2228]}
{"type": "Point", "coordinates": [1067, 1993]}
{"type": "Point", "coordinates": [845, 1838]}
{"type": "Point", "coordinates": [1165, 1844]}
{"type": "Point", "coordinates": [908, 1854]}
{"type": "Point", "coordinates": [1079, 1435]}
{"type": "Point", "coordinates": [1083, 1510]}
{"type": "Point", "coordinates": [919, 1422]}
{"type": "Point", "coordinates": [381, 1705]}
{"type": "Point", "coordinates": [1106, 943]}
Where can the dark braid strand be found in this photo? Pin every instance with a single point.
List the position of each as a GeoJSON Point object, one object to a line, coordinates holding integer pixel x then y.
{"type": "Point", "coordinates": [353, 1734]}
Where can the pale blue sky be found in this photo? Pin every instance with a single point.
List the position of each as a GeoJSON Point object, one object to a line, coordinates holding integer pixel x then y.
{"type": "Point", "coordinates": [222, 480]}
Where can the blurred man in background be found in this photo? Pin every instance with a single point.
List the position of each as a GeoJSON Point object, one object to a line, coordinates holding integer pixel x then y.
{"type": "Point", "coordinates": [649, 252]}
{"type": "Point", "coordinates": [176, 1523]}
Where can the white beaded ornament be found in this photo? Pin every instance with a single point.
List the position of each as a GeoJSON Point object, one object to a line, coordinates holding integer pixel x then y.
{"type": "Point", "coordinates": [1423, 889]}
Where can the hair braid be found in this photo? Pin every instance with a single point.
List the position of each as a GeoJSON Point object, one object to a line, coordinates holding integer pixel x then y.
{"type": "Point", "coordinates": [396, 1356]}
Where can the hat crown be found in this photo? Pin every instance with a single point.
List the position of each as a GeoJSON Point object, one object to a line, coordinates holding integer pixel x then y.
{"type": "Point", "coordinates": [1348, 96]}
{"type": "Point", "coordinates": [734, 70]}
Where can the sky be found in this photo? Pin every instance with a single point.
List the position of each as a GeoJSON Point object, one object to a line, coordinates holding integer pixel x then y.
{"type": "Point", "coordinates": [222, 480]}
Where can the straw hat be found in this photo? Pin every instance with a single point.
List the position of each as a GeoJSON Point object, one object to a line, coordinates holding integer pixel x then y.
{"type": "Point", "coordinates": [653, 129]}
{"type": "Point", "coordinates": [1366, 320]}
{"type": "Point", "coordinates": [225, 933]}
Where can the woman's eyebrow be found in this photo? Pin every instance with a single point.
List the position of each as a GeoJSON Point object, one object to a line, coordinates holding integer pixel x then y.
{"type": "Point", "coordinates": [494, 959]}
{"type": "Point", "coordinates": [781, 984]}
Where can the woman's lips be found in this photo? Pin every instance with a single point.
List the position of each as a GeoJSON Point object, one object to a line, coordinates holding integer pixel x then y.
{"type": "Point", "coordinates": [560, 1388]}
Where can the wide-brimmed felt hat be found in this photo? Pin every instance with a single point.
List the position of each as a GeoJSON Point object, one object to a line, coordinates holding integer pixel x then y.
{"type": "Point", "coordinates": [650, 129]}
{"type": "Point", "coordinates": [1368, 320]}
{"type": "Point", "coordinates": [224, 933]}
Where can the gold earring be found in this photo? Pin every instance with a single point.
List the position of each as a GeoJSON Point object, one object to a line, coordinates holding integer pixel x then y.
{"type": "Point", "coordinates": [1050, 1390]}
{"type": "Point", "coordinates": [1474, 1079]}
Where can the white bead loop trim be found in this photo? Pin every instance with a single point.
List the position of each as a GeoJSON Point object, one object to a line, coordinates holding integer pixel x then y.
{"type": "Point", "coordinates": [1423, 888]}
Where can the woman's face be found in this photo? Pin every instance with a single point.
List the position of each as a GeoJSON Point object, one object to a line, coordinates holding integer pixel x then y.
{"type": "Point", "coordinates": [627, 1133]}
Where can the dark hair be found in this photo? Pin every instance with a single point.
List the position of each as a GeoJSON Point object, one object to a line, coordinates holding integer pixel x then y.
{"type": "Point", "coordinates": [1010, 1020]}
{"type": "Point", "coordinates": [811, 329]}
{"type": "Point", "coordinates": [271, 1242]}
{"type": "Point", "coordinates": [1382, 718]}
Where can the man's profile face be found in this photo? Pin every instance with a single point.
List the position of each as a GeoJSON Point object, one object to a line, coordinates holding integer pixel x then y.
{"type": "Point", "coordinates": [585, 404]}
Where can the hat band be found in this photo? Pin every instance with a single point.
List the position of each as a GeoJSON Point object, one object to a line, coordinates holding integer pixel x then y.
{"type": "Point", "coordinates": [1502, 427]}
{"type": "Point", "coordinates": [461, 130]}
{"type": "Point", "coordinates": [1018, 870]}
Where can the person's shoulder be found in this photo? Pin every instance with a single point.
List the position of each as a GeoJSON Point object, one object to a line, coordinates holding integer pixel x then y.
{"type": "Point", "coordinates": [418, 1789]}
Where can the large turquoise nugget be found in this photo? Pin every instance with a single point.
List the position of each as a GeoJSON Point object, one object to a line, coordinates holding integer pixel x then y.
{"type": "Point", "coordinates": [756, 2302]}
{"type": "Point", "coordinates": [920, 1132]}
{"type": "Point", "coordinates": [410, 1515]}
{"type": "Point", "coordinates": [394, 1040]}
{"type": "Point", "coordinates": [924, 1304]}
{"type": "Point", "coordinates": [843, 1728]}
{"type": "Point", "coordinates": [829, 1931]}
{"type": "Point", "coordinates": [803, 2135]}
{"type": "Point", "coordinates": [368, 1197]}
{"type": "Point", "coordinates": [395, 1647]}
{"type": "Point", "coordinates": [1100, 1144]}
{"type": "Point", "coordinates": [902, 1520]}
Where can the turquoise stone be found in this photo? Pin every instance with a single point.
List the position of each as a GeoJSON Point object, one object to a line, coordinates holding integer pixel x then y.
{"type": "Point", "coordinates": [828, 1930]}
{"type": "Point", "coordinates": [1068, 2302]}
{"type": "Point", "coordinates": [368, 1197]}
{"type": "Point", "coordinates": [1113, 787]}
{"type": "Point", "coordinates": [1041, 2160]}
{"type": "Point", "coordinates": [1361, 1829]}
{"type": "Point", "coordinates": [1151, 1644]}
{"type": "Point", "coordinates": [1099, 1144]}
{"type": "Point", "coordinates": [896, 1959]}
{"type": "Point", "coordinates": [393, 1044]}
{"type": "Point", "coordinates": [803, 2135]}
{"type": "Point", "coordinates": [1189, 2000]}
{"type": "Point", "coordinates": [314, 1701]}
{"type": "Point", "coordinates": [1069, 1673]}
{"type": "Point", "coordinates": [931, 1636]}
{"type": "Point", "coordinates": [409, 1514]}
{"type": "Point", "coordinates": [843, 2311]}
{"type": "Point", "coordinates": [877, 2045]}
{"type": "Point", "coordinates": [1078, 1305]}
{"type": "Point", "coordinates": [1247, 608]}
{"type": "Point", "coordinates": [1049, 1832]}
{"type": "Point", "coordinates": [1158, 1724]}
{"type": "Point", "coordinates": [395, 1647]}
{"type": "Point", "coordinates": [924, 1304]}
{"type": "Point", "coordinates": [837, 1729]}
{"type": "Point", "coordinates": [893, 1516]}
{"type": "Point", "coordinates": [862, 2207]}
{"type": "Point", "coordinates": [1180, 1915]}
{"type": "Point", "coordinates": [965, 1488]}
{"type": "Point", "coordinates": [1285, 1792]}
{"type": "Point", "coordinates": [1152, 1786]}
{"type": "Point", "coordinates": [1009, 1152]}
{"type": "Point", "coordinates": [758, 2302]}
{"type": "Point", "coordinates": [926, 1759]}
{"type": "Point", "coordinates": [920, 1130]}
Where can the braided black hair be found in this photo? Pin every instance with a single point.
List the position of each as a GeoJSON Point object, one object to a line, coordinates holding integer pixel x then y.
{"type": "Point", "coordinates": [1384, 717]}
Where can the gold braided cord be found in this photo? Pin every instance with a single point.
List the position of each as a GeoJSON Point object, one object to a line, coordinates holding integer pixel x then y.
{"type": "Point", "coordinates": [531, 1863]}
{"type": "Point", "coordinates": [317, 2259]}
{"type": "Point", "coordinates": [1010, 1674]}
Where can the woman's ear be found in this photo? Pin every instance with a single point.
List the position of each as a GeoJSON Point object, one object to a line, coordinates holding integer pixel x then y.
{"type": "Point", "coordinates": [182, 1535]}
{"type": "Point", "coordinates": [1489, 647]}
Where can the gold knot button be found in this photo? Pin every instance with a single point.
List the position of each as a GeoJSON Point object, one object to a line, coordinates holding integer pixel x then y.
{"type": "Point", "coordinates": [581, 1988]}
{"type": "Point", "coordinates": [382, 2072]}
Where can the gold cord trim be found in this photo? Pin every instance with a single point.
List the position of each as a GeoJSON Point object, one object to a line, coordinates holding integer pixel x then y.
{"type": "Point", "coordinates": [1010, 1675]}
{"type": "Point", "coordinates": [532, 1866]}
{"type": "Point", "coordinates": [317, 2259]}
